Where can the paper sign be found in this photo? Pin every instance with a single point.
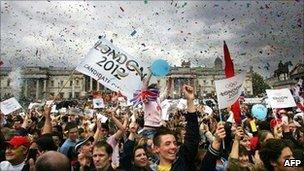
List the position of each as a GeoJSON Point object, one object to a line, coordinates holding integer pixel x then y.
{"type": "Point", "coordinates": [98, 103]}
{"type": "Point", "coordinates": [182, 104]}
{"type": "Point", "coordinates": [253, 126]}
{"type": "Point", "coordinates": [208, 110]}
{"type": "Point", "coordinates": [102, 118]}
{"type": "Point", "coordinates": [165, 105]}
{"type": "Point", "coordinates": [114, 68]}
{"type": "Point", "coordinates": [53, 110]}
{"type": "Point", "coordinates": [49, 103]}
{"type": "Point", "coordinates": [229, 90]}
{"type": "Point", "coordinates": [10, 105]}
{"type": "Point", "coordinates": [280, 98]}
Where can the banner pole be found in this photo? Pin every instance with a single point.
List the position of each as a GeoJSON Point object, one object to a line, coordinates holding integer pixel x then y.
{"type": "Point", "coordinates": [221, 120]}
{"type": "Point", "coordinates": [71, 75]}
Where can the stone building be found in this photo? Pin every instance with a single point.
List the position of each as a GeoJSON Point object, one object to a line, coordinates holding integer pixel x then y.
{"type": "Point", "coordinates": [201, 78]}
{"type": "Point", "coordinates": [39, 83]}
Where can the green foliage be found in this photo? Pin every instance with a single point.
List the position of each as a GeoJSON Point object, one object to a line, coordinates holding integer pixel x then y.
{"type": "Point", "coordinates": [258, 84]}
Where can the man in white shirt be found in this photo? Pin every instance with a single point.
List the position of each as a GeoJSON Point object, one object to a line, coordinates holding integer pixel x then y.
{"type": "Point", "coordinates": [15, 154]}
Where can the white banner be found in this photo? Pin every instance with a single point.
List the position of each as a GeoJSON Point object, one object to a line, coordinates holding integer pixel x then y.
{"type": "Point", "coordinates": [229, 90]}
{"type": "Point", "coordinates": [255, 100]}
{"type": "Point", "coordinates": [165, 105]}
{"type": "Point", "coordinates": [114, 68]}
{"type": "Point", "coordinates": [280, 98]}
{"type": "Point", "coordinates": [98, 103]}
{"type": "Point", "coordinates": [10, 105]}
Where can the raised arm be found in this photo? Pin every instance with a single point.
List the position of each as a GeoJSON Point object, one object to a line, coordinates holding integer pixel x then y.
{"type": "Point", "coordinates": [213, 153]}
{"type": "Point", "coordinates": [47, 127]}
{"type": "Point", "coordinates": [233, 161]}
{"type": "Point", "coordinates": [190, 147]}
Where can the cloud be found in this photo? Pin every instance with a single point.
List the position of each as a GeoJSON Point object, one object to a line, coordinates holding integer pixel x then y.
{"type": "Point", "coordinates": [60, 33]}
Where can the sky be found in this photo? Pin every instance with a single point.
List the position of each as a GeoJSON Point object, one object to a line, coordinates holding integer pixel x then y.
{"type": "Point", "coordinates": [61, 33]}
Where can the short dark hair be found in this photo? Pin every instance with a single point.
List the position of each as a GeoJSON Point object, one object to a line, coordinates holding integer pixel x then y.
{"type": "Point", "coordinates": [243, 151]}
{"type": "Point", "coordinates": [104, 144]}
{"type": "Point", "coordinates": [271, 151]}
{"type": "Point", "coordinates": [160, 132]}
{"type": "Point", "coordinates": [105, 126]}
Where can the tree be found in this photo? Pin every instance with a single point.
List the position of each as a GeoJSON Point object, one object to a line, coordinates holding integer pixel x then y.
{"type": "Point", "coordinates": [258, 84]}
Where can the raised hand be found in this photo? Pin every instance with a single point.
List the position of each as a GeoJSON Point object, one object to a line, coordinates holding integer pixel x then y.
{"type": "Point", "coordinates": [220, 132]}
{"type": "Point", "coordinates": [188, 92]}
{"type": "Point", "coordinates": [239, 134]}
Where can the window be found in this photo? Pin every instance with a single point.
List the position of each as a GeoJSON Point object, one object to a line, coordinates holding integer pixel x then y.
{"type": "Point", "coordinates": [61, 83]}
{"type": "Point", "coordinates": [8, 83]}
{"type": "Point", "coordinates": [77, 94]}
{"type": "Point", "coordinates": [52, 83]}
{"type": "Point", "coordinates": [70, 95]}
{"type": "Point", "coordinates": [77, 82]}
{"type": "Point", "coordinates": [71, 83]}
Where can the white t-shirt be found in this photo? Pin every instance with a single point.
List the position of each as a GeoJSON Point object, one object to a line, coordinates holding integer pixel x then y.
{"type": "Point", "coordinates": [7, 166]}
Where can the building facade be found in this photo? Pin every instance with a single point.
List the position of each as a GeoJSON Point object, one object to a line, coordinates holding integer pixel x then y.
{"type": "Point", "coordinates": [201, 78]}
{"type": "Point", "coordinates": [39, 83]}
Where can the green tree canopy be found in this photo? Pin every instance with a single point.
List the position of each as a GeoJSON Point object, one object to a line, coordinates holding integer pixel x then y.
{"type": "Point", "coordinates": [258, 84]}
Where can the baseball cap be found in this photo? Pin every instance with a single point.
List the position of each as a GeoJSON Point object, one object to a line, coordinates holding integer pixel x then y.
{"type": "Point", "coordinates": [17, 141]}
{"type": "Point", "coordinates": [81, 143]}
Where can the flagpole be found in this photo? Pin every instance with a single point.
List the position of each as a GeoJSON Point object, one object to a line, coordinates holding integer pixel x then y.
{"type": "Point", "coordinates": [221, 120]}
{"type": "Point", "coordinates": [71, 75]}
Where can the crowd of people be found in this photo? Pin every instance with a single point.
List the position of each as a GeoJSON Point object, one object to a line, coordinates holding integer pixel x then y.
{"type": "Point", "coordinates": [137, 139]}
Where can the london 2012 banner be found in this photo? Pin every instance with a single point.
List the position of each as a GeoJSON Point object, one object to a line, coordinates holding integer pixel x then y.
{"type": "Point", "coordinates": [229, 90]}
{"type": "Point", "coordinates": [280, 98]}
{"type": "Point", "coordinates": [114, 68]}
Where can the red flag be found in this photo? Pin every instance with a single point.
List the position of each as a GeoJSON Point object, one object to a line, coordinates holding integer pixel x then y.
{"type": "Point", "coordinates": [1, 63]}
{"type": "Point", "coordinates": [229, 72]}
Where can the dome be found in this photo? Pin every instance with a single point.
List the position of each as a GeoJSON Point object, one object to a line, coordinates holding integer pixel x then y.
{"type": "Point", "coordinates": [218, 63]}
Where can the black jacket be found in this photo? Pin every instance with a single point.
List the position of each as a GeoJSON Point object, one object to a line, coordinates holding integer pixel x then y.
{"type": "Point", "coordinates": [188, 151]}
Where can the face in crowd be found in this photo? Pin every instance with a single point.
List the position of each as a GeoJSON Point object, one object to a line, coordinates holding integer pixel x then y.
{"type": "Point", "coordinates": [15, 154]}
{"type": "Point", "coordinates": [73, 134]}
{"type": "Point", "coordinates": [166, 147]}
{"type": "Point", "coordinates": [140, 157]}
{"type": "Point", "coordinates": [102, 155]}
{"type": "Point", "coordinates": [86, 148]}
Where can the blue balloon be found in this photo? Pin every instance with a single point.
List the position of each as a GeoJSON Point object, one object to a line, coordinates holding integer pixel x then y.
{"type": "Point", "coordinates": [160, 68]}
{"type": "Point", "coordinates": [259, 111]}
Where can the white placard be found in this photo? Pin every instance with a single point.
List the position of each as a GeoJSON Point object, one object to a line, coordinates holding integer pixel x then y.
{"type": "Point", "coordinates": [49, 103]}
{"type": "Point", "coordinates": [229, 90]}
{"type": "Point", "coordinates": [102, 118]}
{"type": "Point", "coordinates": [165, 105]}
{"type": "Point", "coordinates": [255, 100]}
{"type": "Point", "coordinates": [182, 104]}
{"type": "Point", "coordinates": [53, 110]}
{"type": "Point", "coordinates": [114, 68]}
{"type": "Point", "coordinates": [10, 105]}
{"type": "Point", "coordinates": [208, 110]}
{"type": "Point", "coordinates": [98, 103]}
{"type": "Point", "coordinates": [280, 98]}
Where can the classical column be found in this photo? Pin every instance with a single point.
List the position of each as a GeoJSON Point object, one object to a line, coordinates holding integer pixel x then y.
{"type": "Point", "coordinates": [44, 86]}
{"type": "Point", "coordinates": [91, 84]}
{"type": "Point", "coordinates": [37, 89]}
{"type": "Point", "coordinates": [73, 88]}
{"type": "Point", "coordinates": [44, 89]}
